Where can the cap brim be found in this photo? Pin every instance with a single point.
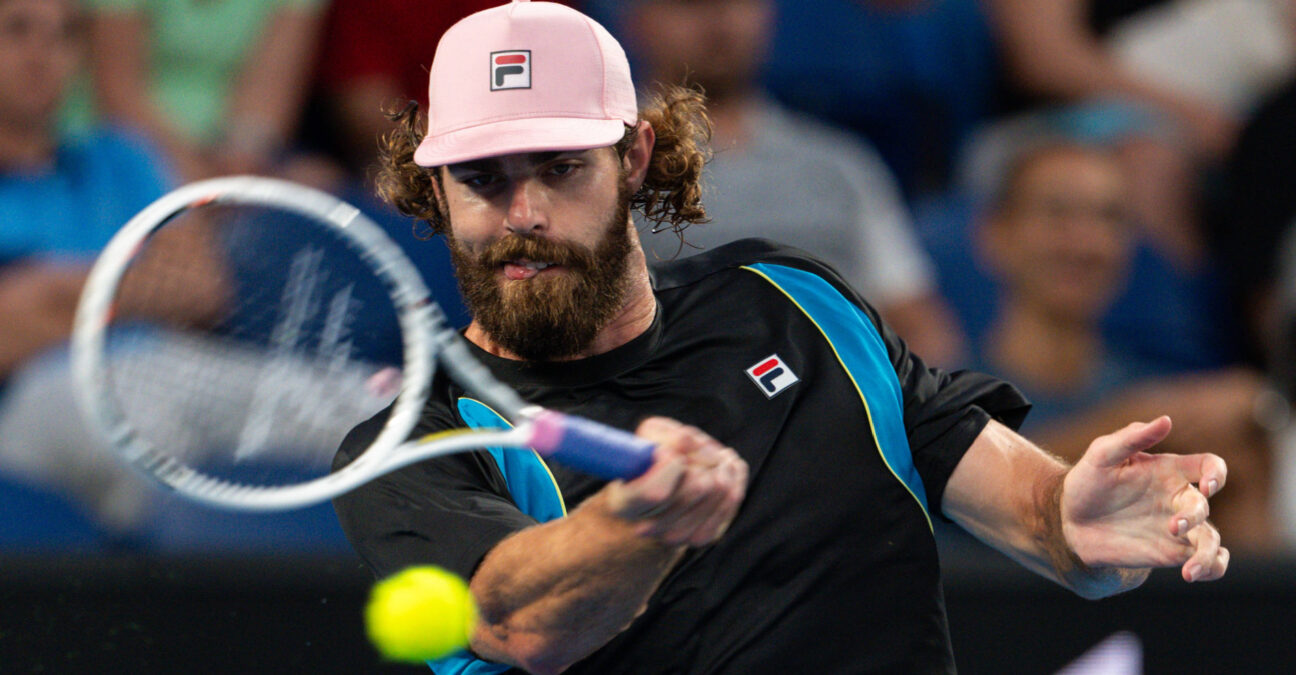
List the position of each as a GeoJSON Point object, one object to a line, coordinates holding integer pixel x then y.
{"type": "Point", "coordinates": [535, 134]}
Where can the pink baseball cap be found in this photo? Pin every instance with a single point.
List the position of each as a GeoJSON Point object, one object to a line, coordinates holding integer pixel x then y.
{"type": "Point", "coordinates": [525, 77]}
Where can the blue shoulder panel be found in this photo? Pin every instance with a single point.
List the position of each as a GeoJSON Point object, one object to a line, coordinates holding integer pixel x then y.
{"type": "Point", "coordinates": [528, 478]}
{"type": "Point", "coordinates": [464, 663]}
{"type": "Point", "coordinates": [863, 355]}
{"type": "Point", "coordinates": [535, 492]}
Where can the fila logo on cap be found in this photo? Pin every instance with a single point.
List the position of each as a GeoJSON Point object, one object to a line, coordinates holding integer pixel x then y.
{"type": "Point", "coordinates": [511, 70]}
{"type": "Point", "coordinates": [772, 375]}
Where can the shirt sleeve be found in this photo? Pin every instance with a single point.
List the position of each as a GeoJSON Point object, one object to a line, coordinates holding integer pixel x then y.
{"type": "Point", "coordinates": [448, 511]}
{"type": "Point", "coordinates": [946, 411]}
{"type": "Point", "coordinates": [943, 411]}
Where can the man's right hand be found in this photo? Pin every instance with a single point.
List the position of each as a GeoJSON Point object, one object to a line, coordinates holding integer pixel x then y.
{"type": "Point", "coordinates": [551, 594]}
{"type": "Point", "coordinates": [691, 493]}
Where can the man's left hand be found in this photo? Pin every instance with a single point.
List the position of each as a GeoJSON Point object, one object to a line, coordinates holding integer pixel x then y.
{"type": "Point", "coordinates": [1125, 507]}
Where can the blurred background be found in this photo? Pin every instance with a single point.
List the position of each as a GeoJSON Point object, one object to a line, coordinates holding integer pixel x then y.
{"type": "Point", "coordinates": [1095, 199]}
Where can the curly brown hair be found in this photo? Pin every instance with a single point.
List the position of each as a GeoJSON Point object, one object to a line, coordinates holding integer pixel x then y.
{"type": "Point", "coordinates": [670, 197]}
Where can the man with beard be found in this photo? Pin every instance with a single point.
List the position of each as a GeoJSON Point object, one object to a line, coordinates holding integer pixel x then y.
{"type": "Point", "coordinates": [794, 534]}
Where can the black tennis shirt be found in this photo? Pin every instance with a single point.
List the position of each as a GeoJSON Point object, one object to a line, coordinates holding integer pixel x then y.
{"type": "Point", "coordinates": [830, 565]}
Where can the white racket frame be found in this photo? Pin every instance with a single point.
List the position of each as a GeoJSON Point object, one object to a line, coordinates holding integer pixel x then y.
{"type": "Point", "coordinates": [428, 339]}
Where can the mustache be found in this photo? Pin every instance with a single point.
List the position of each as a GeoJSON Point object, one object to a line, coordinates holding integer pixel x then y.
{"type": "Point", "coordinates": [516, 246]}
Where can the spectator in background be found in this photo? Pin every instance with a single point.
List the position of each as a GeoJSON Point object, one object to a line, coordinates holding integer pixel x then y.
{"type": "Point", "coordinates": [1202, 63]}
{"type": "Point", "coordinates": [1166, 315]}
{"type": "Point", "coordinates": [218, 85]}
{"type": "Point", "coordinates": [1059, 239]}
{"type": "Point", "coordinates": [780, 175]}
{"type": "Point", "coordinates": [1198, 66]}
{"type": "Point", "coordinates": [914, 77]}
{"type": "Point", "coordinates": [60, 202]}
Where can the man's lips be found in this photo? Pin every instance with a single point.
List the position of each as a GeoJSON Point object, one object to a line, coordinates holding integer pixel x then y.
{"type": "Point", "coordinates": [518, 270]}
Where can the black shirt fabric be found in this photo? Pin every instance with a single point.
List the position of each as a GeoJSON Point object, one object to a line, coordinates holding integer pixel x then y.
{"type": "Point", "coordinates": [830, 565]}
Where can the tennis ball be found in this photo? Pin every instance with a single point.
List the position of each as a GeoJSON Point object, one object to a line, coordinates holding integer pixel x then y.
{"type": "Point", "coordinates": [420, 614]}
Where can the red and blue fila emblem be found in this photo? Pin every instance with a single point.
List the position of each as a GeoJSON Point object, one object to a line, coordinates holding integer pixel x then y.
{"type": "Point", "coordinates": [511, 70]}
{"type": "Point", "coordinates": [772, 375]}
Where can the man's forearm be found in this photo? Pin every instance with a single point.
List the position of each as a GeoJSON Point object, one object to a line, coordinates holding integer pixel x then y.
{"type": "Point", "coordinates": [552, 594]}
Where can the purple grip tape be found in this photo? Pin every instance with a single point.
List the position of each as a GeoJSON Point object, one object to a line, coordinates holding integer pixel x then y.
{"type": "Point", "coordinates": [590, 447]}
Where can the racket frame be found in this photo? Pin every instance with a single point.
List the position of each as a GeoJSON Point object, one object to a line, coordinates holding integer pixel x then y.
{"type": "Point", "coordinates": [422, 325]}
{"type": "Point", "coordinates": [428, 340]}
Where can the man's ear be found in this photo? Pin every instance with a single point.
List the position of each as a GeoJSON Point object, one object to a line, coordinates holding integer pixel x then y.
{"type": "Point", "coordinates": [441, 223]}
{"type": "Point", "coordinates": [438, 184]}
{"type": "Point", "coordinates": [639, 156]}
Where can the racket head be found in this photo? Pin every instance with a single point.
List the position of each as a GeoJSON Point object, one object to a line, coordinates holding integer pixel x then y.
{"type": "Point", "coordinates": [202, 394]}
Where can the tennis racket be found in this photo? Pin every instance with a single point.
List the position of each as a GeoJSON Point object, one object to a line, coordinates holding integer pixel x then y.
{"type": "Point", "coordinates": [232, 333]}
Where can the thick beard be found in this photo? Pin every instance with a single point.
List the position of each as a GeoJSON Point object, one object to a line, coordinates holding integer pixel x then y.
{"type": "Point", "coordinates": [549, 316]}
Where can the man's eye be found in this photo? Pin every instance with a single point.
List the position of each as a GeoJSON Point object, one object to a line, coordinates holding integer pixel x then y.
{"type": "Point", "coordinates": [478, 181]}
{"type": "Point", "coordinates": [562, 169]}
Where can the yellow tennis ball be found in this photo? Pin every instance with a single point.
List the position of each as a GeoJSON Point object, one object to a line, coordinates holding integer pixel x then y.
{"type": "Point", "coordinates": [420, 614]}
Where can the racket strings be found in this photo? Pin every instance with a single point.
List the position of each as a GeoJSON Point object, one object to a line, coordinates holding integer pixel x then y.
{"type": "Point", "coordinates": [248, 341]}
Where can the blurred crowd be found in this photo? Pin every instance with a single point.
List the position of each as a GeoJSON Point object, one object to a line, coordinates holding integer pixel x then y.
{"type": "Point", "coordinates": [1091, 198]}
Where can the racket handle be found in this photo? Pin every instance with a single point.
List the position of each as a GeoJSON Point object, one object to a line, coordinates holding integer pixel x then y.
{"type": "Point", "coordinates": [590, 447]}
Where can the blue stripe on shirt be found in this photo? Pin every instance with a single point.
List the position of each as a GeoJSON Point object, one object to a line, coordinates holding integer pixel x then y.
{"type": "Point", "coordinates": [863, 355]}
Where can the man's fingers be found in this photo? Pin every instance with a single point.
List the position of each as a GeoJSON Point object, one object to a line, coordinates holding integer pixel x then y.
{"type": "Point", "coordinates": [1114, 448]}
{"type": "Point", "coordinates": [678, 524]}
{"type": "Point", "coordinates": [705, 501]}
{"type": "Point", "coordinates": [1209, 560]}
{"type": "Point", "coordinates": [687, 440]}
{"type": "Point", "coordinates": [703, 450]}
{"type": "Point", "coordinates": [653, 490]}
{"type": "Point", "coordinates": [1207, 470]}
{"type": "Point", "coordinates": [659, 430]}
{"type": "Point", "coordinates": [693, 490]}
{"type": "Point", "coordinates": [1191, 510]}
{"type": "Point", "coordinates": [1219, 567]}
{"type": "Point", "coordinates": [650, 494]}
{"type": "Point", "coordinates": [718, 519]}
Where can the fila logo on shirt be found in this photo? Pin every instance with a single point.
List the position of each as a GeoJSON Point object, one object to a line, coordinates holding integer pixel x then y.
{"type": "Point", "coordinates": [511, 70]}
{"type": "Point", "coordinates": [772, 375]}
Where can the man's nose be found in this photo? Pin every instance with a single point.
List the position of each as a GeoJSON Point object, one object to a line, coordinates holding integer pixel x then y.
{"type": "Point", "coordinates": [527, 210]}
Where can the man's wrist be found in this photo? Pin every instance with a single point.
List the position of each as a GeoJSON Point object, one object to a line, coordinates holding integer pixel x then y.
{"type": "Point", "coordinates": [1068, 565]}
{"type": "Point", "coordinates": [1062, 556]}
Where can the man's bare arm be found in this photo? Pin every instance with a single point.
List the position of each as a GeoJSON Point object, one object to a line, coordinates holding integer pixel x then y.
{"type": "Point", "coordinates": [552, 594]}
{"type": "Point", "coordinates": [1100, 526]}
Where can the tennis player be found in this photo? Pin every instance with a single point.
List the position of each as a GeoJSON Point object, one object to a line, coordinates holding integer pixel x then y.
{"type": "Point", "coordinates": [793, 534]}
